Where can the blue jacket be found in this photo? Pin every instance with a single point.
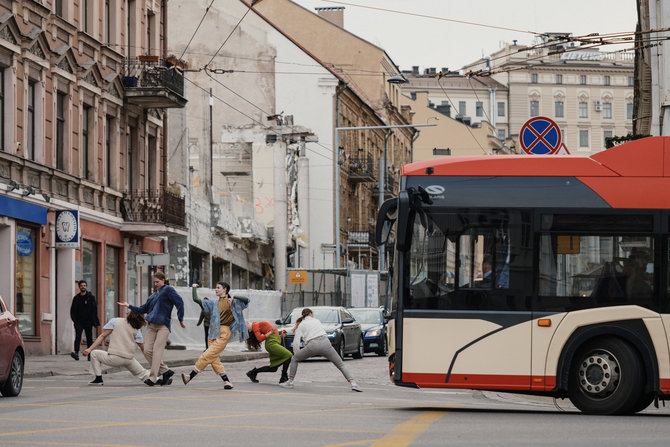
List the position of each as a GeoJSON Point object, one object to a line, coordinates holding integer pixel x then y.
{"type": "Point", "coordinates": [239, 327]}
{"type": "Point", "coordinates": [159, 306]}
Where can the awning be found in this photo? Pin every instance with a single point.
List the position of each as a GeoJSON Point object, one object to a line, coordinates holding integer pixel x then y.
{"type": "Point", "coordinates": [22, 210]}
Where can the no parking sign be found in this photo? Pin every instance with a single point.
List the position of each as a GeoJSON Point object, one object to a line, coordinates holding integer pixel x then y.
{"type": "Point", "coordinates": [541, 136]}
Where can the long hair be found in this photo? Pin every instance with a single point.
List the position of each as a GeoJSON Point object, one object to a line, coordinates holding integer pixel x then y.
{"type": "Point", "coordinates": [252, 342]}
{"type": "Point", "coordinates": [305, 312]}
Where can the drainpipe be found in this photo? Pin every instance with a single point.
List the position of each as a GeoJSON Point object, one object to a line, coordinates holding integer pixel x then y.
{"type": "Point", "coordinates": [492, 99]}
{"type": "Point", "coordinates": [411, 150]}
{"type": "Point", "coordinates": [336, 154]}
{"type": "Point", "coordinates": [382, 179]}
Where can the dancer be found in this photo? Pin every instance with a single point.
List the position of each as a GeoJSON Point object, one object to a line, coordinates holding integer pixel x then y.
{"type": "Point", "coordinates": [226, 319]}
{"type": "Point", "coordinates": [310, 330]}
{"type": "Point", "coordinates": [279, 356]}
{"type": "Point", "coordinates": [159, 310]}
{"type": "Point", "coordinates": [123, 334]}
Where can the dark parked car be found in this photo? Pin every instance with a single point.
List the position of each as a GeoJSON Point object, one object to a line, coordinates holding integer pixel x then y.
{"type": "Point", "coordinates": [12, 354]}
{"type": "Point", "coordinates": [341, 327]}
{"type": "Point", "coordinates": [373, 322]}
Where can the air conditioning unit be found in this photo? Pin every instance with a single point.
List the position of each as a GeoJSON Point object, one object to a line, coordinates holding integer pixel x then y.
{"type": "Point", "coordinates": [598, 106]}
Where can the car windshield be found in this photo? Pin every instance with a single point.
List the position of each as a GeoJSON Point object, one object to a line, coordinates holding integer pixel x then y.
{"type": "Point", "coordinates": [323, 315]}
{"type": "Point", "coordinates": [366, 316]}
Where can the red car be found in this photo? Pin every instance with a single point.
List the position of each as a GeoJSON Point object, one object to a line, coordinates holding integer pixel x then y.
{"type": "Point", "coordinates": [12, 354]}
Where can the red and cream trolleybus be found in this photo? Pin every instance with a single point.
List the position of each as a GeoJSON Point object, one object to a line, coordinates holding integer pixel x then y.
{"type": "Point", "coordinates": [546, 275]}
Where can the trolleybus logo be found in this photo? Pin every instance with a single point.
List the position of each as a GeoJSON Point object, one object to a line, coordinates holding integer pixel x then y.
{"type": "Point", "coordinates": [434, 190]}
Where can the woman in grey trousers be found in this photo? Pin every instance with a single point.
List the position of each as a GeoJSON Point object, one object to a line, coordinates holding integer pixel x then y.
{"type": "Point", "coordinates": [310, 330]}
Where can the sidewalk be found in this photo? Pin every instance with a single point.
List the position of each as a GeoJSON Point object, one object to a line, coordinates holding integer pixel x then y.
{"type": "Point", "coordinates": [64, 365]}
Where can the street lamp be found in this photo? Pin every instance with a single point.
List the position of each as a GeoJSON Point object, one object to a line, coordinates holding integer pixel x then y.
{"type": "Point", "coordinates": [398, 79]}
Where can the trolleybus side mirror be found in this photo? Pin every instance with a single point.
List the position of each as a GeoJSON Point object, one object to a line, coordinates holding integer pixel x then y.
{"type": "Point", "coordinates": [387, 215]}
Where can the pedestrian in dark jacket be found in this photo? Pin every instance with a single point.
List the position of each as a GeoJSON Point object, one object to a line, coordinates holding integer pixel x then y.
{"type": "Point", "coordinates": [204, 316]}
{"type": "Point", "coordinates": [84, 314]}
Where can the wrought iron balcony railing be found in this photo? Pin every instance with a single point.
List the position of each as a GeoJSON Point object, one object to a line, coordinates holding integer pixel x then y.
{"type": "Point", "coordinates": [154, 206]}
{"type": "Point", "coordinates": [153, 82]}
{"type": "Point", "coordinates": [361, 169]}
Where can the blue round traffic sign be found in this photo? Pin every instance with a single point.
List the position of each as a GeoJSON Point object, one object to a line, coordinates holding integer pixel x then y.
{"type": "Point", "coordinates": [540, 136]}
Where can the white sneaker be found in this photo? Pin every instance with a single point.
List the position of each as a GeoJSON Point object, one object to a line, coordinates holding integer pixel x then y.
{"type": "Point", "coordinates": [355, 387]}
{"type": "Point", "coordinates": [287, 384]}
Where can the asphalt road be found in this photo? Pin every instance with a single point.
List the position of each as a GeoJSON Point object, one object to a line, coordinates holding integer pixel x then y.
{"type": "Point", "coordinates": [320, 411]}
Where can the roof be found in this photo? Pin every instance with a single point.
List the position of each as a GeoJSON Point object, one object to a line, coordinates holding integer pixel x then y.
{"type": "Point", "coordinates": [646, 157]}
{"type": "Point", "coordinates": [451, 81]}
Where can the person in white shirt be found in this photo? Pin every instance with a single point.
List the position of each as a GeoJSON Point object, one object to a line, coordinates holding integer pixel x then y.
{"type": "Point", "coordinates": [124, 334]}
{"type": "Point", "coordinates": [310, 330]}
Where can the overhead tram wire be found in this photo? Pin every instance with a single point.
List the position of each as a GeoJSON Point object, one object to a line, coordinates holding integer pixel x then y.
{"type": "Point", "coordinates": [196, 29]}
{"type": "Point", "coordinates": [467, 127]}
{"type": "Point", "coordinates": [464, 22]}
{"type": "Point", "coordinates": [231, 33]}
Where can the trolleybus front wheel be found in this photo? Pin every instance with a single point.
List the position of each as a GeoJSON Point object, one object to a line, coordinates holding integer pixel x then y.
{"type": "Point", "coordinates": [606, 377]}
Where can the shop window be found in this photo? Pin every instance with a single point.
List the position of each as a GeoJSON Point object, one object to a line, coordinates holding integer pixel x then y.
{"type": "Point", "coordinates": [89, 263]}
{"type": "Point", "coordinates": [26, 291]}
{"type": "Point", "coordinates": [111, 282]}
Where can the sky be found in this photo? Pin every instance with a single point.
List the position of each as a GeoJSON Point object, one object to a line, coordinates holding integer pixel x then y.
{"type": "Point", "coordinates": [427, 42]}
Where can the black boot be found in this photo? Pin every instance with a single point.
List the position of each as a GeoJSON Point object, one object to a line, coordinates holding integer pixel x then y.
{"type": "Point", "coordinates": [252, 375]}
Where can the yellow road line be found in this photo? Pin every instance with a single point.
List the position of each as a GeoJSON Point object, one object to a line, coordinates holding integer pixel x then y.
{"type": "Point", "coordinates": [405, 433]}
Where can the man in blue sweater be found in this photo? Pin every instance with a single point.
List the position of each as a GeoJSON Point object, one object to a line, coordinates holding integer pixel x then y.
{"type": "Point", "coordinates": [159, 311]}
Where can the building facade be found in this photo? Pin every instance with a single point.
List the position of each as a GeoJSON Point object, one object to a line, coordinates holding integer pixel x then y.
{"type": "Point", "coordinates": [84, 88]}
{"type": "Point", "coordinates": [588, 93]}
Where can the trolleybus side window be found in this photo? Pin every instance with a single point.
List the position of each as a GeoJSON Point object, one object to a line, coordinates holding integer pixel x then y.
{"type": "Point", "coordinates": [593, 270]}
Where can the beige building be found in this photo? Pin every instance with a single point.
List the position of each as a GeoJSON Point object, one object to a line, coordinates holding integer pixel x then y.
{"type": "Point", "coordinates": [83, 92]}
{"type": "Point", "coordinates": [449, 137]}
{"type": "Point", "coordinates": [588, 93]}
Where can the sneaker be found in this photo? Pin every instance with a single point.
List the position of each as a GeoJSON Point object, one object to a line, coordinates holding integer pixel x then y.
{"type": "Point", "coordinates": [186, 378]}
{"type": "Point", "coordinates": [283, 379]}
{"type": "Point", "coordinates": [167, 377]}
{"type": "Point", "coordinates": [252, 376]}
{"type": "Point", "coordinates": [227, 385]}
{"type": "Point", "coordinates": [74, 355]}
{"type": "Point", "coordinates": [148, 382]}
{"type": "Point", "coordinates": [287, 384]}
{"type": "Point", "coordinates": [96, 382]}
{"type": "Point", "coordinates": [355, 387]}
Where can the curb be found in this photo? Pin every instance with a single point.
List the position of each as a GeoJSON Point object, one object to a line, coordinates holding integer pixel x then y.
{"type": "Point", "coordinates": [229, 358]}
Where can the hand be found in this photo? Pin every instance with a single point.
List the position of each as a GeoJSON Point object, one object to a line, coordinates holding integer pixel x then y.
{"type": "Point", "coordinates": [195, 284]}
{"type": "Point", "coordinates": [122, 304]}
{"type": "Point", "coordinates": [181, 323]}
{"type": "Point", "coordinates": [86, 351]}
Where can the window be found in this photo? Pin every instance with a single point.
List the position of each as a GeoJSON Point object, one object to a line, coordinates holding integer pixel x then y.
{"type": "Point", "coordinates": [582, 79]}
{"type": "Point", "coordinates": [85, 6]}
{"type": "Point", "coordinates": [26, 275]}
{"type": "Point", "coordinates": [461, 108]}
{"type": "Point", "coordinates": [108, 24]}
{"type": "Point", "coordinates": [59, 8]}
{"type": "Point", "coordinates": [559, 78]}
{"type": "Point", "coordinates": [479, 108]}
{"type": "Point", "coordinates": [534, 108]}
{"type": "Point", "coordinates": [583, 138]}
{"type": "Point", "coordinates": [89, 263]}
{"type": "Point", "coordinates": [60, 131]}
{"type": "Point", "coordinates": [30, 122]}
{"type": "Point", "coordinates": [533, 78]}
{"type": "Point", "coordinates": [558, 109]}
{"type": "Point", "coordinates": [501, 108]}
{"type": "Point", "coordinates": [109, 123]}
{"type": "Point", "coordinates": [606, 134]}
{"type": "Point", "coordinates": [583, 109]}
{"type": "Point", "coordinates": [629, 111]}
{"type": "Point", "coordinates": [501, 134]}
{"type": "Point", "coordinates": [607, 110]}
{"type": "Point", "coordinates": [606, 80]}
{"type": "Point", "coordinates": [111, 281]}
{"type": "Point", "coordinates": [150, 27]}
{"type": "Point", "coordinates": [599, 269]}
{"type": "Point", "coordinates": [631, 81]}
{"type": "Point", "coordinates": [2, 109]}
{"type": "Point", "coordinates": [85, 143]}
{"type": "Point", "coordinates": [130, 147]}
{"type": "Point", "coordinates": [152, 165]}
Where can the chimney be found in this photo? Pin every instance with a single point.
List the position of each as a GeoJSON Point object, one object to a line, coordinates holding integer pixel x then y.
{"type": "Point", "coordinates": [334, 14]}
{"type": "Point", "coordinates": [415, 70]}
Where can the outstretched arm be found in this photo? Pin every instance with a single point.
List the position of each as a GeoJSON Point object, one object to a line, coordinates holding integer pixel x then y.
{"type": "Point", "coordinates": [97, 341]}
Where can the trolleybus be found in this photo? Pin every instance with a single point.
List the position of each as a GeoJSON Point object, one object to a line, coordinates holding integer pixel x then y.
{"type": "Point", "coordinates": [547, 275]}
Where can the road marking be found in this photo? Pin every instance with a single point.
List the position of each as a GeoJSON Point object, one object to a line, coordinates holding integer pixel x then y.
{"type": "Point", "coordinates": [405, 433]}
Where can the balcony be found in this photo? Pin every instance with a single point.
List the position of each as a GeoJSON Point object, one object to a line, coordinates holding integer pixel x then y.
{"type": "Point", "coordinates": [361, 170]}
{"type": "Point", "coordinates": [153, 213]}
{"type": "Point", "coordinates": [360, 240]}
{"type": "Point", "coordinates": [389, 187]}
{"type": "Point", "coordinates": [151, 82]}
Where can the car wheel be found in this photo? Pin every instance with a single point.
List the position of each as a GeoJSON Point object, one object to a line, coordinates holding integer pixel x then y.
{"type": "Point", "coordinates": [361, 349]}
{"type": "Point", "coordinates": [340, 348]}
{"type": "Point", "coordinates": [12, 386]}
{"type": "Point", "coordinates": [382, 349]}
{"type": "Point", "coordinates": [606, 377]}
